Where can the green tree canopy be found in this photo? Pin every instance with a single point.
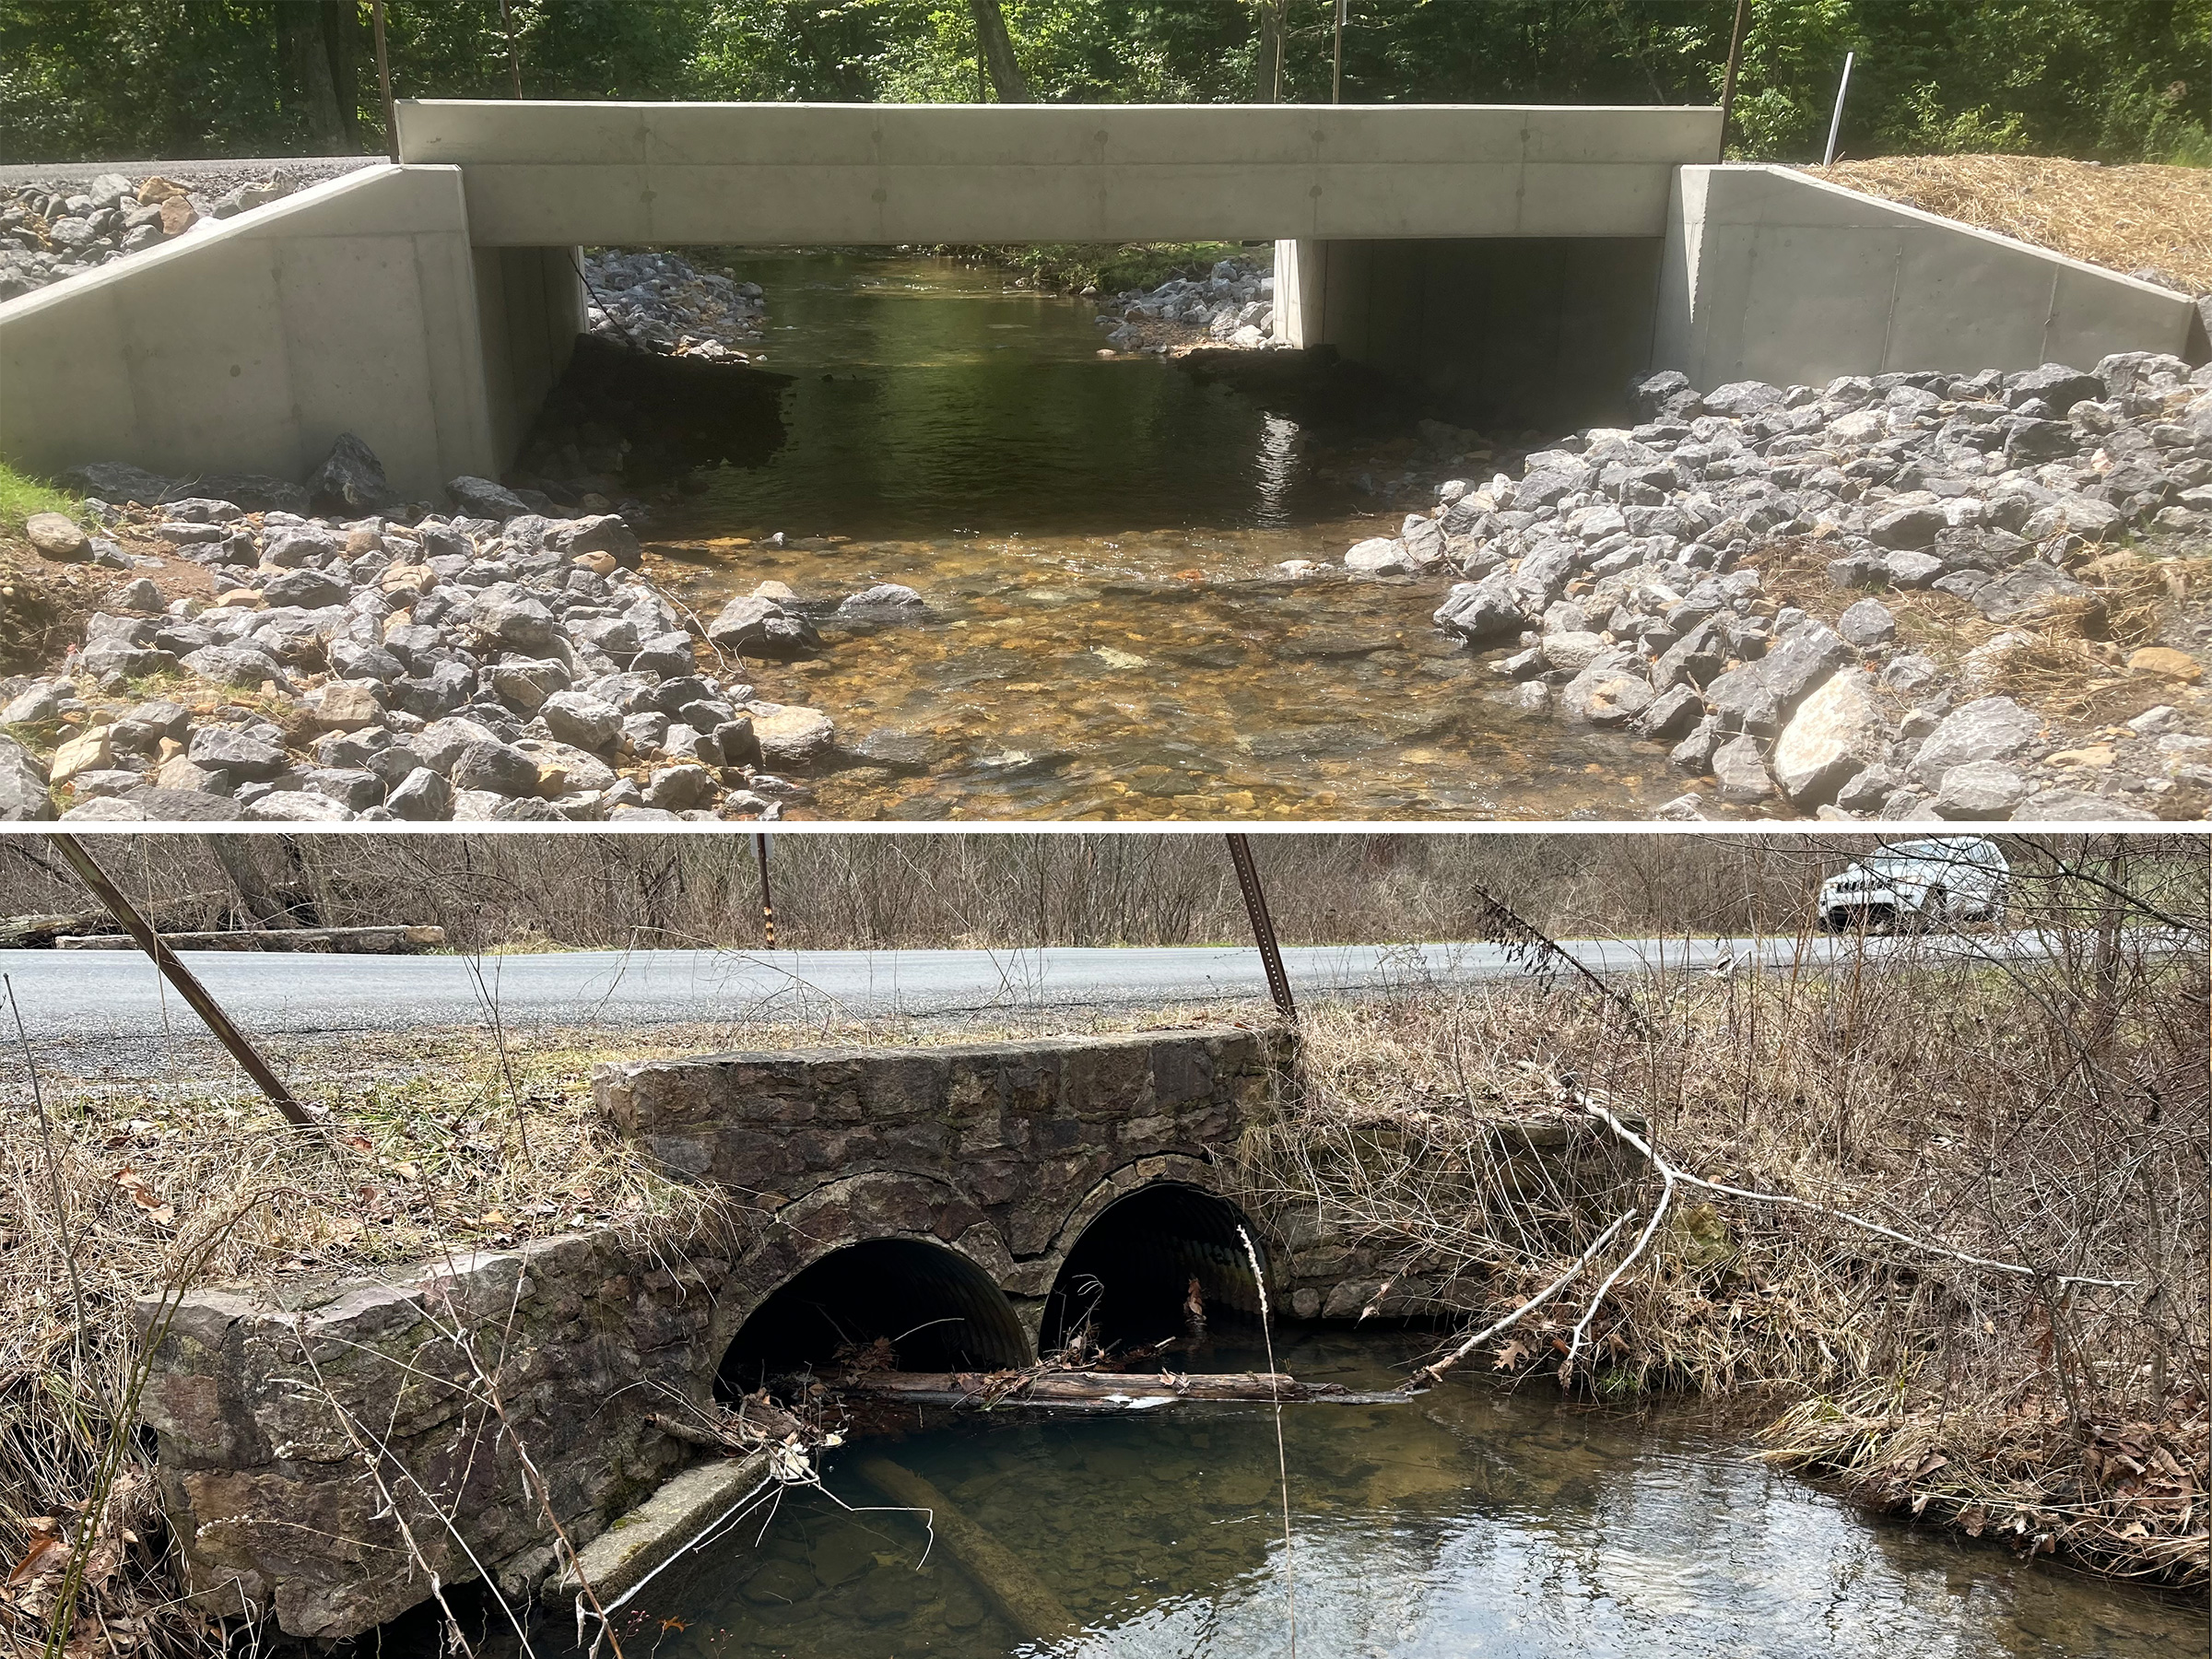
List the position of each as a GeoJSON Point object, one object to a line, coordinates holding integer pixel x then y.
{"type": "Point", "coordinates": [2108, 79]}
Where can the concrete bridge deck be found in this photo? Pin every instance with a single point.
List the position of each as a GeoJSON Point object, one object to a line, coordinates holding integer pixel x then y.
{"type": "Point", "coordinates": [541, 174]}
{"type": "Point", "coordinates": [1518, 264]}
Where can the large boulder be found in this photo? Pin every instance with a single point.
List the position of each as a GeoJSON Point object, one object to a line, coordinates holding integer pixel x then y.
{"type": "Point", "coordinates": [57, 537]}
{"type": "Point", "coordinates": [607, 532]}
{"type": "Point", "coordinates": [2031, 590]}
{"type": "Point", "coordinates": [481, 497]}
{"type": "Point", "coordinates": [1742, 772]}
{"type": "Point", "coordinates": [1609, 692]}
{"type": "Point", "coordinates": [579, 718]}
{"type": "Point", "coordinates": [350, 483]}
{"type": "Point", "coordinates": [1991, 728]}
{"type": "Point", "coordinates": [790, 735]}
{"type": "Point", "coordinates": [1380, 556]}
{"type": "Point", "coordinates": [2059, 387]}
{"type": "Point", "coordinates": [1980, 789]}
{"type": "Point", "coordinates": [23, 797]}
{"type": "Point", "coordinates": [1482, 613]}
{"type": "Point", "coordinates": [113, 481]}
{"type": "Point", "coordinates": [237, 753]}
{"type": "Point", "coordinates": [1837, 733]}
{"type": "Point", "coordinates": [510, 618]}
{"type": "Point", "coordinates": [761, 628]}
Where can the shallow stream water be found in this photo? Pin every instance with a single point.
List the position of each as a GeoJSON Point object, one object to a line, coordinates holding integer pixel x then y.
{"type": "Point", "coordinates": [1098, 538]}
{"type": "Point", "coordinates": [1469, 1521]}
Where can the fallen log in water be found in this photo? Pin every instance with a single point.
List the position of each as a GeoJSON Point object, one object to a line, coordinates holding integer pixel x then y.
{"type": "Point", "coordinates": [1002, 1577]}
{"type": "Point", "coordinates": [1109, 1390]}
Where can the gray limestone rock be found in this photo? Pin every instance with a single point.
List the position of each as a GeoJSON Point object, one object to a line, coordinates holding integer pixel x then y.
{"type": "Point", "coordinates": [1980, 789]}
{"type": "Point", "coordinates": [1991, 728]}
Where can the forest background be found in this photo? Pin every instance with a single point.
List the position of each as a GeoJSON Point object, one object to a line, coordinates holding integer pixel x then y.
{"type": "Point", "coordinates": [2112, 80]}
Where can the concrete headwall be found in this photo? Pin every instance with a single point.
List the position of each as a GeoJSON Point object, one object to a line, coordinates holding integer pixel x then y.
{"type": "Point", "coordinates": [544, 174]}
{"type": "Point", "coordinates": [1522, 331]}
{"type": "Point", "coordinates": [250, 345]}
{"type": "Point", "coordinates": [1775, 276]}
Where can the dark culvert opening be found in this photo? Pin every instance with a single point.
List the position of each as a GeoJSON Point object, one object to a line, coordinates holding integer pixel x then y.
{"type": "Point", "coordinates": [940, 1311]}
{"type": "Point", "coordinates": [1129, 1275]}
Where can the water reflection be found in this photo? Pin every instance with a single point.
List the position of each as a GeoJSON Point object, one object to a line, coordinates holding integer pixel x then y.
{"type": "Point", "coordinates": [1110, 635]}
{"type": "Point", "coordinates": [1468, 1522]}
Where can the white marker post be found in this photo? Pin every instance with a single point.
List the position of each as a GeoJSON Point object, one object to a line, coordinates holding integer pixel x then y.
{"type": "Point", "coordinates": [1836, 122]}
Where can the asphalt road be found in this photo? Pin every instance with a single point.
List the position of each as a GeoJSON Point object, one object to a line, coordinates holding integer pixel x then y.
{"type": "Point", "coordinates": [85, 996]}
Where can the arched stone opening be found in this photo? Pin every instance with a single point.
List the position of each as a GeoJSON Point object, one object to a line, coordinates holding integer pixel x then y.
{"type": "Point", "coordinates": [940, 1311]}
{"type": "Point", "coordinates": [1128, 1273]}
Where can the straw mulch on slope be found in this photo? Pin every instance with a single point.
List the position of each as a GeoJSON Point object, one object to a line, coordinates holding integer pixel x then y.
{"type": "Point", "coordinates": [2142, 220]}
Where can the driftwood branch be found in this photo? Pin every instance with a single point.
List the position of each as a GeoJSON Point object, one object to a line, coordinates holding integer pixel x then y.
{"type": "Point", "coordinates": [1044, 1387]}
{"type": "Point", "coordinates": [1434, 1372]}
{"type": "Point", "coordinates": [1671, 1175]}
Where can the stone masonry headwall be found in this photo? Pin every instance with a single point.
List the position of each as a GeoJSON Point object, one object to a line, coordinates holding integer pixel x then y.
{"type": "Point", "coordinates": [320, 1443]}
{"type": "Point", "coordinates": [274, 1404]}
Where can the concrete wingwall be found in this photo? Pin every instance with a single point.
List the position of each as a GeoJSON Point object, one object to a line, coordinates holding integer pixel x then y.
{"type": "Point", "coordinates": [248, 346]}
{"type": "Point", "coordinates": [1773, 276]}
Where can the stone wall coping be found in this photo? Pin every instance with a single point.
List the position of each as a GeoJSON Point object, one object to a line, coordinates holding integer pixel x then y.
{"type": "Point", "coordinates": [1012, 1048]}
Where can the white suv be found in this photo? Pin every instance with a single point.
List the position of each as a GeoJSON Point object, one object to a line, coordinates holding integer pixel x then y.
{"type": "Point", "coordinates": [1919, 884]}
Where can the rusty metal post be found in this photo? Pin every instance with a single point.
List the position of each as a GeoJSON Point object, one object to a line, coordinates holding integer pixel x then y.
{"type": "Point", "coordinates": [1263, 924]}
{"type": "Point", "coordinates": [768, 903]}
{"type": "Point", "coordinates": [1735, 56]}
{"type": "Point", "coordinates": [194, 993]}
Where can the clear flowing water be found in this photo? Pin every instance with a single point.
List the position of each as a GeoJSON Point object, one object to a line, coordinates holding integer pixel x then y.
{"type": "Point", "coordinates": [1469, 1521]}
{"type": "Point", "coordinates": [1108, 636]}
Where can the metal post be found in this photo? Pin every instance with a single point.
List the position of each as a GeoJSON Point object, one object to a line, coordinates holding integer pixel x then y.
{"type": "Point", "coordinates": [768, 905]}
{"type": "Point", "coordinates": [1263, 924]}
{"type": "Point", "coordinates": [1336, 70]}
{"type": "Point", "coordinates": [188, 987]}
{"type": "Point", "coordinates": [514, 58]}
{"type": "Point", "coordinates": [1842, 86]}
{"type": "Point", "coordinates": [1735, 56]}
{"type": "Point", "coordinates": [383, 82]}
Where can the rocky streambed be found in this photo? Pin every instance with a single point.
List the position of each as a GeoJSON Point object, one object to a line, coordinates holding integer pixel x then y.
{"type": "Point", "coordinates": [1898, 596]}
{"type": "Point", "coordinates": [372, 661]}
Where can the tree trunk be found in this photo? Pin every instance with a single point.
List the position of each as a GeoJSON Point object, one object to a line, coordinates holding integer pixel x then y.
{"type": "Point", "coordinates": [341, 44]}
{"type": "Point", "coordinates": [307, 57]}
{"type": "Point", "coordinates": [261, 898]}
{"type": "Point", "coordinates": [1267, 61]}
{"type": "Point", "coordinates": [997, 46]}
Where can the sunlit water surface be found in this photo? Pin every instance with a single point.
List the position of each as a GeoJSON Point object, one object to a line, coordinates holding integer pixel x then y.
{"type": "Point", "coordinates": [1098, 538]}
{"type": "Point", "coordinates": [1467, 1521]}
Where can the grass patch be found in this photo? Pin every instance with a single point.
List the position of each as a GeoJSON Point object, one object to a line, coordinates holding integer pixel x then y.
{"type": "Point", "coordinates": [22, 495]}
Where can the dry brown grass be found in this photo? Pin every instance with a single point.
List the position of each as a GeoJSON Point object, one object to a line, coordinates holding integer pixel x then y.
{"type": "Point", "coordinates": [2138, 219]}
{"type": "Point", "coordinates": [2019, 1114]}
